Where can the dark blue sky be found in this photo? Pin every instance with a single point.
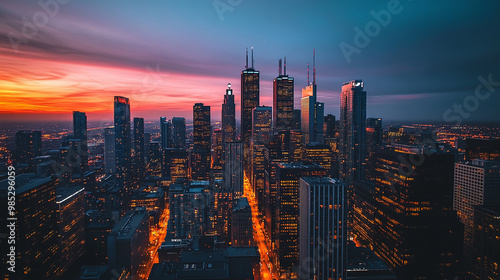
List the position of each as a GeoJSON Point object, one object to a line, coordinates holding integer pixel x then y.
{"type": "Point", "coordinates": [426, 58]}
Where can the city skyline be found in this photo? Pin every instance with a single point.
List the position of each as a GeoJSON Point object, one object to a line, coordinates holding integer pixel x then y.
{"type": "Point", "coordinates": [85, 55]}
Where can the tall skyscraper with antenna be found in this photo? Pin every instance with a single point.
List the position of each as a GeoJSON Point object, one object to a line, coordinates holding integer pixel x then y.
{"type": "Point", "coordinates": [249, 100]}
{"type": "Point", "coordinates": [228, 117]}
{"type": "Point", "coordinates": [312, 112]}
{"type": "Point", "coordinates": [283, 86]}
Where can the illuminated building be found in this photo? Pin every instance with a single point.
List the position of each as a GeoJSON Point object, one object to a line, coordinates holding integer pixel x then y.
{"type": "Point", "coordinates": [249, 100]}
{"type": "Point", "coordinates": [287, 181]}
{"type": "Point", "coordinates": [153, 201]}
{"type": "Point", "coordinates": [241, 224]}
{"type": "Point", "coordinates": [128, 242]}
{"type": "Point", "coordinates": [352, 131]}
{"type": "Point", "coordinates": [312, 119]}
{"type": "Point", "coordinates": [296, 145]}
{"type": "Point", "coordinates": [200, 156]}
{"type": "Point", "coordinates": [155, 158]}
{"type": "Point", "coordinates": [228, 117]}
{"type": "Point", "coordinates": [486, 241]}
{"type": "Point", "coordinates": [323, 228]}
{"type": "Point", "coordinates": [189, 210]}
{"type": "Point", "coordinates": [179, 132]}
{"type": "Point", "coordinates": [278, 150]}
{"type": "Point", "coordinates": [282, 100]}
{"type": "Point", "coordinates": [80, 132]}
{"type": "Point", "coordinates": [261, 132]}
{"type": "Point", "coordinates": [373, 141]}
{"type": "Point", "coordinates": [476, 183]}
{"type": "Point", "coordinates": [71, 225]}
{"type": "Point", "coordinates": [217, 150]}
{"type": "Point", "coordinates": [405, 216]}
{"type": "Point", "coordinates": [330, 128]}
{"type": "Point", "coordinates": [233, 167]}
{"type": "Point", "coordinates": [109, 150]}
{"type": "Point", "coordinates": [487, 149]}
{"type": "Point", "coordinates": [36, 227]}
{"type": "Point", "coordinates": [222, 209]}
{"type": "Point", "coordinates": [28, 146]}
{"type": "Point", "coordinates": [139, 150]}
{"type": "Point", "coordinates": [166, 133]}
{"type": "Point", "coordinates": [320, 154]}
{"type": "Point", "coordinates": [175, 163]}
{"type": "Point", "coordinates": [122, 142]}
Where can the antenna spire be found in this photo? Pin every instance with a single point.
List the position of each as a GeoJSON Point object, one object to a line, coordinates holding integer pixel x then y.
{"type": "Point", "coordinates": [279, 66]}
{"type": "Point", "coordinates": [246, 64]}
{"type": "Point", "coordinates": [284, 67]}
{"type": "Point", "coordinates": [252, 57]}
{"type": "Point", "coordinates": [314, 66]}
{"type": "Point", "coordinates": [307, 73]}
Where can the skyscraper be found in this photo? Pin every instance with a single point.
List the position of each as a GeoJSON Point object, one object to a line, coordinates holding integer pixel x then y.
{"type": "Point", "coordinates": [166, 133]}
{"type": "Point", "coordinates": [476, 183]}
{"type": "Point", "coordinates": [241, 224]}
{"type": "Point", "coordinates": [139, 153]}
{"type": "Point", "coordinates": [323, 228]}
{"type": "Point", "coordinates": [261, 133]}
{"type": "Point", "coordinates": [373, 141]}
{"type": "Point", "coordinates": [312, 120]}
{"type": "Point", "coordinates": [329, 126]}
{"type": "Point", "coordinates": [200, 155]}
{"type": "Point", "coordinates": [109, 150]}
{"type": "Point", "coordinates": [233, 167]}
{"type": "Point", "coordinates": [283, 100]}
{"type": "Point", "coordinates": [287, 180]}
{"type": "Point", "coordinates": [80, 132]}
{"type": "Point", "coordinates": [122, 141]}
{"type": "Point", "coordinates": [28, 146]}
{"type": "Point", "coordinates": [352, 131]}
{"type": "Point", "coordinates": [228, 117]}
{"type": "Point", "coordinates": [179, 132]}
{"type": "Point", "coordinates": [249, 100]}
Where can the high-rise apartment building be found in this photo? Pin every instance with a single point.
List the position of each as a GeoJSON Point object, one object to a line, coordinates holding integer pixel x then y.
{"type": "Point", "coordinates": [283, 87]}
{"type": "Point", "coordinates": [122, 142]}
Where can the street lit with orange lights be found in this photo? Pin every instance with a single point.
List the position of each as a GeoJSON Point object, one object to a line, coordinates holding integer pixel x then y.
{"type": "Point", "coordinates": [268, 269]}
{"type": "Point", "coordinates": [156, 237]}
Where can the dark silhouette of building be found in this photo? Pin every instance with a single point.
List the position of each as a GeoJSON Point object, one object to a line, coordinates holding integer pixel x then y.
{"type": "Point", "coordinates": [200, 156]}
{"type": "Point", "coordinates": [233, 167]}
{"type": "Point", "coordinates": [486, 242]}
{"type": "Point", "coordinates": [28, 146]}
{"type": "Point", "coordinates": [166, 133]}
{"type": "Point", "coordinates": [179, 132]}
{"type": "Point", "coordinates": [330, 128]}
{"type": "Point", "coordinates": [228, 117]}
{"type": "Point", "coordinates": [373, 141]}
{"type": "Point", "coordinates": [487, 149]}
{"type": "Point", "coordinates": [80, 132]}
{"type": "Point", "coordinates": [139, 153]}
{"type": "Point", "coordinates": [109, 150]}
{"type": "Point", "coordinates": [122, 142]}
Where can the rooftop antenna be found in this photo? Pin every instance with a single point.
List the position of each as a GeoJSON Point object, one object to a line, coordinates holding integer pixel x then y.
{"type": "Point", "coordinates": [246, 65]}
{"type": "Point", "coordinates": [314, 66]}
{"type": "Point", "coordinates": [280, 65]}
{"type": "Point", "coordinates": [252, 57]}
{"type": "Point", "coordinates": [308, 73]}
{"type": "Point", "coordinates": [284, 67]}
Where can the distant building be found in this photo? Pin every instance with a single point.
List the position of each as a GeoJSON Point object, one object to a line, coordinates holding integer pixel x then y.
{"type": "Point", "coordinates": [28, 146]}
{"type": "Point", "coordinates": [249, 100]}
{"type": "Point", "coordinates": [128, 242]}
{"type": "Point", "coordinates": [478, 148]}
{"type": "Point", "coordinates": [109, 150]}
{"type": "Point", "coordinates": [312, 120]}
{"type": "Point", "coordinates": [323, 228]}
{"type": "Point", "coordinates": [241, 225]}
{"type": "Point", "coordinates": [175, 163]}
{"type": "Point", "coordinates": [139, 152]}
{"type": "Point", "coordinates": [80, 132]}
{"type": "Point", "coordinates": [330, 128]}
{"type": "Point", "coordinates": [179, 132]}
{"type": "Point", "coordinates": [283, 89]}
{"type": "Point", "coordinates": [200, 160]}
{"type": "Point", "coordinates": [166, 133]}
